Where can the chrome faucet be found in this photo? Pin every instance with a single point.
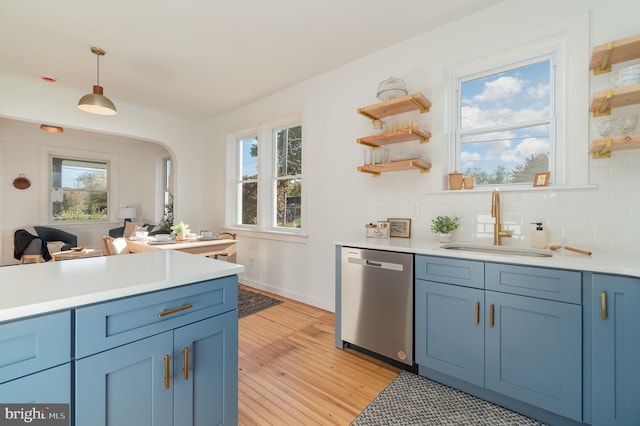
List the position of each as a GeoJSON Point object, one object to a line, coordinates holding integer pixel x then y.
{"type": "Point", "coordinates": [498, 233]}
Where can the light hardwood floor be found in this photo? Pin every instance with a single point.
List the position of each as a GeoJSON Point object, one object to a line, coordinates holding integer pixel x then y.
{"type": "Point", "coordinates": [291, 373]}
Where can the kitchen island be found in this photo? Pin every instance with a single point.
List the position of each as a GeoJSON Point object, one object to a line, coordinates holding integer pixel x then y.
{"type": "Point", "coordinates": [156, 331]}
{"type": "Point", "coordinates": [554, 338]}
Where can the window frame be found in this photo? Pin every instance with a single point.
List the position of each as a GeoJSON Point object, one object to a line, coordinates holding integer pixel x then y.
{"type": "Point", "coordinates": [527, 55]}
{"type": "Point", "coordinates": [267, 172]}
{"type": "Point", "coordinates": [239, 181]}
{"type": "Point", "coordinates": [47, 155]}
{"type": "Point", "coordinates": [275, 178]}
{"type": "Point", "coordinates": [460, 133]}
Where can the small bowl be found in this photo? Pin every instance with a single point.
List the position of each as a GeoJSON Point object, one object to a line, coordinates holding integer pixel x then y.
{"type": "Point", "coordinates": [163, 237]}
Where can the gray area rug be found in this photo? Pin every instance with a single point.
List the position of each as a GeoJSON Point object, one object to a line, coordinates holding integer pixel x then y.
{"type": "Point", "coordinates": [415, 400]}
{"type": "Point", "coordinates": [250, 302]}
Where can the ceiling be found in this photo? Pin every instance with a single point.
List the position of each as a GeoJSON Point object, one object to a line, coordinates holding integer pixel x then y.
{"type": "Point", "coordinates": [198, 58]}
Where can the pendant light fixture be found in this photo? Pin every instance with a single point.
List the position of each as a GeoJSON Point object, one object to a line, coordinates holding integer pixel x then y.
{"type": "Point", "coordinates": [96, 102]}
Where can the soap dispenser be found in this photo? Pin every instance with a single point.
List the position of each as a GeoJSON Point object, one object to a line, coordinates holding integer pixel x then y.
{"type": "Point", "coordinates": [539, 237]}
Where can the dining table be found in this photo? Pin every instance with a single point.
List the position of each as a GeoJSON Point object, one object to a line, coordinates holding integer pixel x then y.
{"type": "Point", "coordinates": [209, 247]}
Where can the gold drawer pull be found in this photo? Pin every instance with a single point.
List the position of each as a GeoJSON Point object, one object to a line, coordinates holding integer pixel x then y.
{"type": "Point", "coordinates": [603, 305]}
{"type": "Point", "coordinates": [167, 372]}
{"type": "Point", "coordinates": [491, 316]}
{"type": "Point", "coordinates": [175, 310]}
{"type": "Point", "coordinates": [185, 369]}
{"type": "Point", "coordinates": [477, 313]}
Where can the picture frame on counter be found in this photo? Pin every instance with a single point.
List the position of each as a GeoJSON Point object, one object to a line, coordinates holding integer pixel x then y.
{"type": "Point", "coordinates": [541, 179]}
{"type": "Point", "coordinates": [399, 227]}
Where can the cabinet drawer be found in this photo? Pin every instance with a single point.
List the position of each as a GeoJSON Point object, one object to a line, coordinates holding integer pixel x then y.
{"type": "Point", "coordinates": [107, 325]}
{"type": "Point", "coordinates": [34, 344]}
{"type": "Point", "coordinates": [451, 271]}
{"type": "Point", "coordinates": [550, 284]}
{"type": "Point", "coordinates": [46, 387]}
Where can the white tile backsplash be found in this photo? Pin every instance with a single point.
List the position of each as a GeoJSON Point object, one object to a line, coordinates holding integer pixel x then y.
{"type": "Point", "coordinates": [602, 218]}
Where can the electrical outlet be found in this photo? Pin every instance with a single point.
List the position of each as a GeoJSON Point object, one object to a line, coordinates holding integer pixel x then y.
{"type": "Point", "coordinates": [416, 209]}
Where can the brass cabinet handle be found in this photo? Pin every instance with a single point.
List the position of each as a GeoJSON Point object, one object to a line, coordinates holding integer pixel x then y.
{"type": "Point", "coordinates": [175, 310]}
{"type": "Point", "coordinates": [491, 316]}
{"type": "Point", "coordinates": [167, 372]}
{"type": "Point", "coordinates": [477, 313]}
{"type": "Point", "coordinates": [603, 305]}
{"type": "Point", "coordinates": [185, 369]}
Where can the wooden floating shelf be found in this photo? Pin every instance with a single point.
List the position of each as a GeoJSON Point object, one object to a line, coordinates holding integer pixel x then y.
{"type": "Point", "coordinates": [394, 166]}
{"type": "Point", "coordinates": [414, 102]}
{"type": "Point", "coordinates": [396, 136]}
{"type": "Point", "coordinates": [614, 52]}
{"type": "Point", "coordinates": [604, 100]}
{"type": "Point", "coordinates": [601, 148]}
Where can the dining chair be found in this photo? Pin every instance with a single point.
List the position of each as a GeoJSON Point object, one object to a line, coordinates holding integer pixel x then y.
{"type": "Point", "coordinates": [115, 246]}
{"type": "Point", "coordinates": [225, 254]}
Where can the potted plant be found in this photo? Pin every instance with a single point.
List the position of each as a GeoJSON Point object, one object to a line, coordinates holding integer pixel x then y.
{"type": "Point", "coordinates": [180, 229]}
{"type": "Point", "coordinates": [444, 225]}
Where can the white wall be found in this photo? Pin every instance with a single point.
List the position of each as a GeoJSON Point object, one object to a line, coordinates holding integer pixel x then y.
{"type": "Point", "coordinates": [341, 200]}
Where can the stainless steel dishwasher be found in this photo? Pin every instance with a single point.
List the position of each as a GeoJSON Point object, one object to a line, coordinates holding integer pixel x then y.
{"type": "Point", "coordinates": [377, 302]}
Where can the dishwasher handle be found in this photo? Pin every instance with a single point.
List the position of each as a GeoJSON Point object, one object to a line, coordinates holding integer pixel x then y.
{"type": "Point", "coordinates": [376, 264]}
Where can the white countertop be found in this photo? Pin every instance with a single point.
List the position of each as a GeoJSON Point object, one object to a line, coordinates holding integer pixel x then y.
{"type": "Point", "coordinates": [38, 288]}
{"type": "Point", "coordinates": [610, 263]}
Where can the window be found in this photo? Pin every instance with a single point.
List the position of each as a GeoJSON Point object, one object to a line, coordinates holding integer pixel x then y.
{"type": "Point", "coordinates": [167, 195]}
{"type": "Point", "coordinates": [505, 128]}
{"type": "Point", "coordinates": [79, 189]}
{"type": "Point", "coordinates": [267, 192]}
{"type": "Point", "coordinates": [248, 180]}
{"type": "Point", "coordinates": [288, 177]}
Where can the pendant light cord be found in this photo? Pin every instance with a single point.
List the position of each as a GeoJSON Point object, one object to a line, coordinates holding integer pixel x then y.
{"type": "Point", "coordinates": [98, 70]}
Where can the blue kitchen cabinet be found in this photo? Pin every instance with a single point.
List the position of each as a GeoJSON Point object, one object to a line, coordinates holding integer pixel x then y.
{"type": "Point", "coordinates": [126, 385]}
{"type": "Point", "coordinates": [533, 352]}
{"type": "Point", "coordinates": [35, 356]}
{"type": "Point", "coordinates": [48, 386]}
{"type": "Point", "coordinates": [129, 385]}
{"type": "Point", "coordinates": [615, 350]}
{"type": "Point", "coordinates": [449, 333]}
{"type": "Point", "coordinates": [164, 358]}
{"type": "Point", "coordinates": [206, 372]}
{"type": "Point", "coordinates": [508, 333]}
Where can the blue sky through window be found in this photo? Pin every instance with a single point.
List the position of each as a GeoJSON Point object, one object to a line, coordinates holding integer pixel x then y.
{"type": "Point", "coordinates": [504, 117]}
{"type": "Point", "coordinates": [249, 164]}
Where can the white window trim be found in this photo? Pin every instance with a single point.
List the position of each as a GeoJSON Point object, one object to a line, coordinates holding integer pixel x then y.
{"type": "Point", "coordinates": [160, 185]}
{"type": "Point", "coordinates": [266, 173]}
{"type": "Point", "coordinates": [232, 214]}
{"type": "Point", "coordinates": [271, 166]}
{"type": "Point", "coordinates": [47, 152]}
{"type": "Point", "coordinates": [570, 37]}
{"type": "Point", "coordinates": [552, 57]}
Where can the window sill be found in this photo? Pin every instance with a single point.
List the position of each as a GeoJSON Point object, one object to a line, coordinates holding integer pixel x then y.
{"type": "Point", "coordinates": [269, 235]}
{"type": "Point", "coordinates": [489, 188]}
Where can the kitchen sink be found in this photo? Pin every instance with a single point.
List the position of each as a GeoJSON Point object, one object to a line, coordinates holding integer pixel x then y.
{"type": "Point", "coordinates": [484, 248]}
